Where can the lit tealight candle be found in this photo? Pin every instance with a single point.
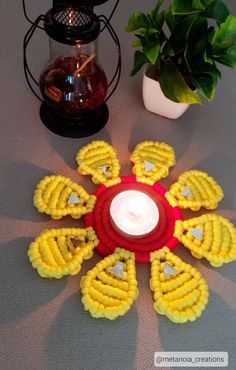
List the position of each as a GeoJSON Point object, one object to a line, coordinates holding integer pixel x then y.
{"type": "Point", "coordinates": [134, 213]}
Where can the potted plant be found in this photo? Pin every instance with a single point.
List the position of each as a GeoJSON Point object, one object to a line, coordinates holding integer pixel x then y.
{"type": "Point", "coordinates": [182, 46]}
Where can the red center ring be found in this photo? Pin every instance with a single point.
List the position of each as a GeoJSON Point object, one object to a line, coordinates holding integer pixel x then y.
{"type": "Point", "coordinates": [110, 238]}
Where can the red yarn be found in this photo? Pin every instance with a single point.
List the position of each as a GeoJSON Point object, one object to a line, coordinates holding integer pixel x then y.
{"type": "Point", "coordinates": [110, 238]}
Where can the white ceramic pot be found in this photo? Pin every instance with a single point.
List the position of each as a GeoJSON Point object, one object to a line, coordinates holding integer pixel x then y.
{"type": "Point", "coordinates": [156, 102]}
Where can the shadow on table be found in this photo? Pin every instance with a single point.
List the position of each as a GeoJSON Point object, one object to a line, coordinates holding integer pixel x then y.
{"type": "Point", "coordinates": [22, 290]}
{"type": "Point", "coordinates": [222, 168]}
{"type": "Point", "coordinates": [68, 147]}
{"type": "Point", "coordinates": [227, 270]}
{"type": "Point", "coordinates": [213, 331]}
{"type": "Point", "coordinates": [177, 133]}
{"type": "Point", "coordinates": [77, 341]}
{"type": "Point", "coordinates": [19, 182]}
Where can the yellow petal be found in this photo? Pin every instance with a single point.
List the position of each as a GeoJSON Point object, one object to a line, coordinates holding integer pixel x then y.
{"type": "Point", "coordinates": [180, 292]}
{"type": "Point", "coordinates": [109, 290]}
{"type": "Point", "coordinates": [59, 196]}
{"type": "Point", "coordinates": [52, 255]}
{"type": "Point", "coordinates": [152, 160]}
{"type": "Point", "coordinates": [195, 189]}
{"type": "Point", "coordinates": [212, 237]}
{"type": "Point", "coordinates": [99, 159]}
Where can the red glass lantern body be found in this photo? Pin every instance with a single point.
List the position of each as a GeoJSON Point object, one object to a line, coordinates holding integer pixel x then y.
{"type": "Point", "coordinates": [73, 82]}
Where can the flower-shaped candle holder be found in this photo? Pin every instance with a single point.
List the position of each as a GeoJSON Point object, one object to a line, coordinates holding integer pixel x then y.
{"type": "Point", "coordinates": [110, 288]}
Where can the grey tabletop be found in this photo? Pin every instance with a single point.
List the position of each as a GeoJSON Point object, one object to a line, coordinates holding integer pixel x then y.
{"type": "Point", "coordinates": [43, 324]}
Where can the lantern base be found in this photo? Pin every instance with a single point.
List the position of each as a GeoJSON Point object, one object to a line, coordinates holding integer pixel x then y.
{"type": "Point", "coordinates": [74, 127]}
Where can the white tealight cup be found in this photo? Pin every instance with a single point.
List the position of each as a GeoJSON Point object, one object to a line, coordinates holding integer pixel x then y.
{"type": "Point", "coordinates": [133, 213]}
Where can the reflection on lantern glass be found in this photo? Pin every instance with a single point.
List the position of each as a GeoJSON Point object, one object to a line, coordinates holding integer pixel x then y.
{"type": "Point", "coordinates": [70, 91]}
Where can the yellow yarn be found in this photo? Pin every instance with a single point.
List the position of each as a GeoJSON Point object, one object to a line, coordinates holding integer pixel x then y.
{"type": "Point", "coordinates": [95, 155]}
{"type": "Point", "coordinates": [218, 241]}
{"type": "Point", "coordinates": [178, 230]}
{"type": "Point", "coordinates": [180, 292]}
{"type": "Point", "coordinates": [181, 296]}
{"type": "Point", "coordinates": [112, 182]}
{"type": "Point", "coordinates": [52, 194]}
{"type": "Point", "coordinates": [53, 254]}
{"type": "Point", "coordinates": [205, 191]}
{"type": "Point", "coordinates": [159, 154]}
{"type": "Point", "coordinates": [105, 294]}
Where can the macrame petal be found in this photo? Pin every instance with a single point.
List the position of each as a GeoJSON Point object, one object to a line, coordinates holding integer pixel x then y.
{"type": "Point", "coordinates": [98, 159]}
{"type": "Point", "coordinates": [180, 292]}
{"type": "Point", "coordinates": [210, 236]}
{"type": "Point", "coordinates": [54, 253]}
{"type": "Point", "coordinates": [59, 196]}
{"type": "Point", "coordinates": [152, 160]}
{"type": "Point", "coordinates": [195, 189]}
{"type": "Point", "coordinates": [110, 288]}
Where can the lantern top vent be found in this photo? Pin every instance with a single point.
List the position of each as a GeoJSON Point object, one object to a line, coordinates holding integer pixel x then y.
{"type": "Point", "coordinates": [72, 24]}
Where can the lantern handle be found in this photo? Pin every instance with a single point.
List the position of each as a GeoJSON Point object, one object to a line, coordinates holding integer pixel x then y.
{"type": "Point", "coordinates": [115, 38]}
{"type": "Point", "coordinates": [111, 14]}
{"type": "Point", "coordinates": [26, 15]}
{"type": "Point", "coordinates": [27, 39]}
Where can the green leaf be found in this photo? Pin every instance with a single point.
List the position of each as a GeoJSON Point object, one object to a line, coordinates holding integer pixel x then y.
{"type": "Point", "coordinates": [228, 58]}
{"type": "Point", "coordinates": [197, 39]}
{"type": "Point", "coordinates": [170, 19]}
{"type": "Point", "coordinates": [157, 7]}
{"type": "Point", "coordinates": [206, 68]}
{"type": "Point", "coordinates": [159, 2]}
{"type": "Point", "coordinates": [206, 2]}
{"type": "Point", "coordinates": [139, 60]}
{"type": "Point", "coordinates": [155, 12]}
{"type": "Point", "coordinates": [158, 20]}
{"type": "Point", "coordinates": [151, 51]}
{"type": "Point", "coordinates": [180, 33]}
{"type": "Point", "coordinates": [137, 43]}
{"type": "Point", "coordinates": [153, 30]}
{"type": "Point", "coordinates": [140, 32]}
{"type": "Point", "coordinates": [198, 47]}
{"type": "Point", "coordinates": [186, 6]}
{"type": "Point", "coordinates": [210, 34]}
{"type": "Point", "coordinates": [167, 50]}
{"type": "Point", "coordinates": [225, 36]}
{"type": "Point", "coordinates": [174, 86]}
{"type": "Point", "coordinates": [217, 10]}
{"type": "Point", "coordinates": [196, 43]}
{"type": "Point", "coordinates": [207, 58]}
{"type": "Point", "coordinates": [206, 83]}
{"type": "Point", "coordinates": [136, 21]}
{"type": "Point", "coordinates": [197, 4]}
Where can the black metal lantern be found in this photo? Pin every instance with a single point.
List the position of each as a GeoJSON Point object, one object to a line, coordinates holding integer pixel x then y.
{"type": "Point", "coordinates": [73, 84]}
